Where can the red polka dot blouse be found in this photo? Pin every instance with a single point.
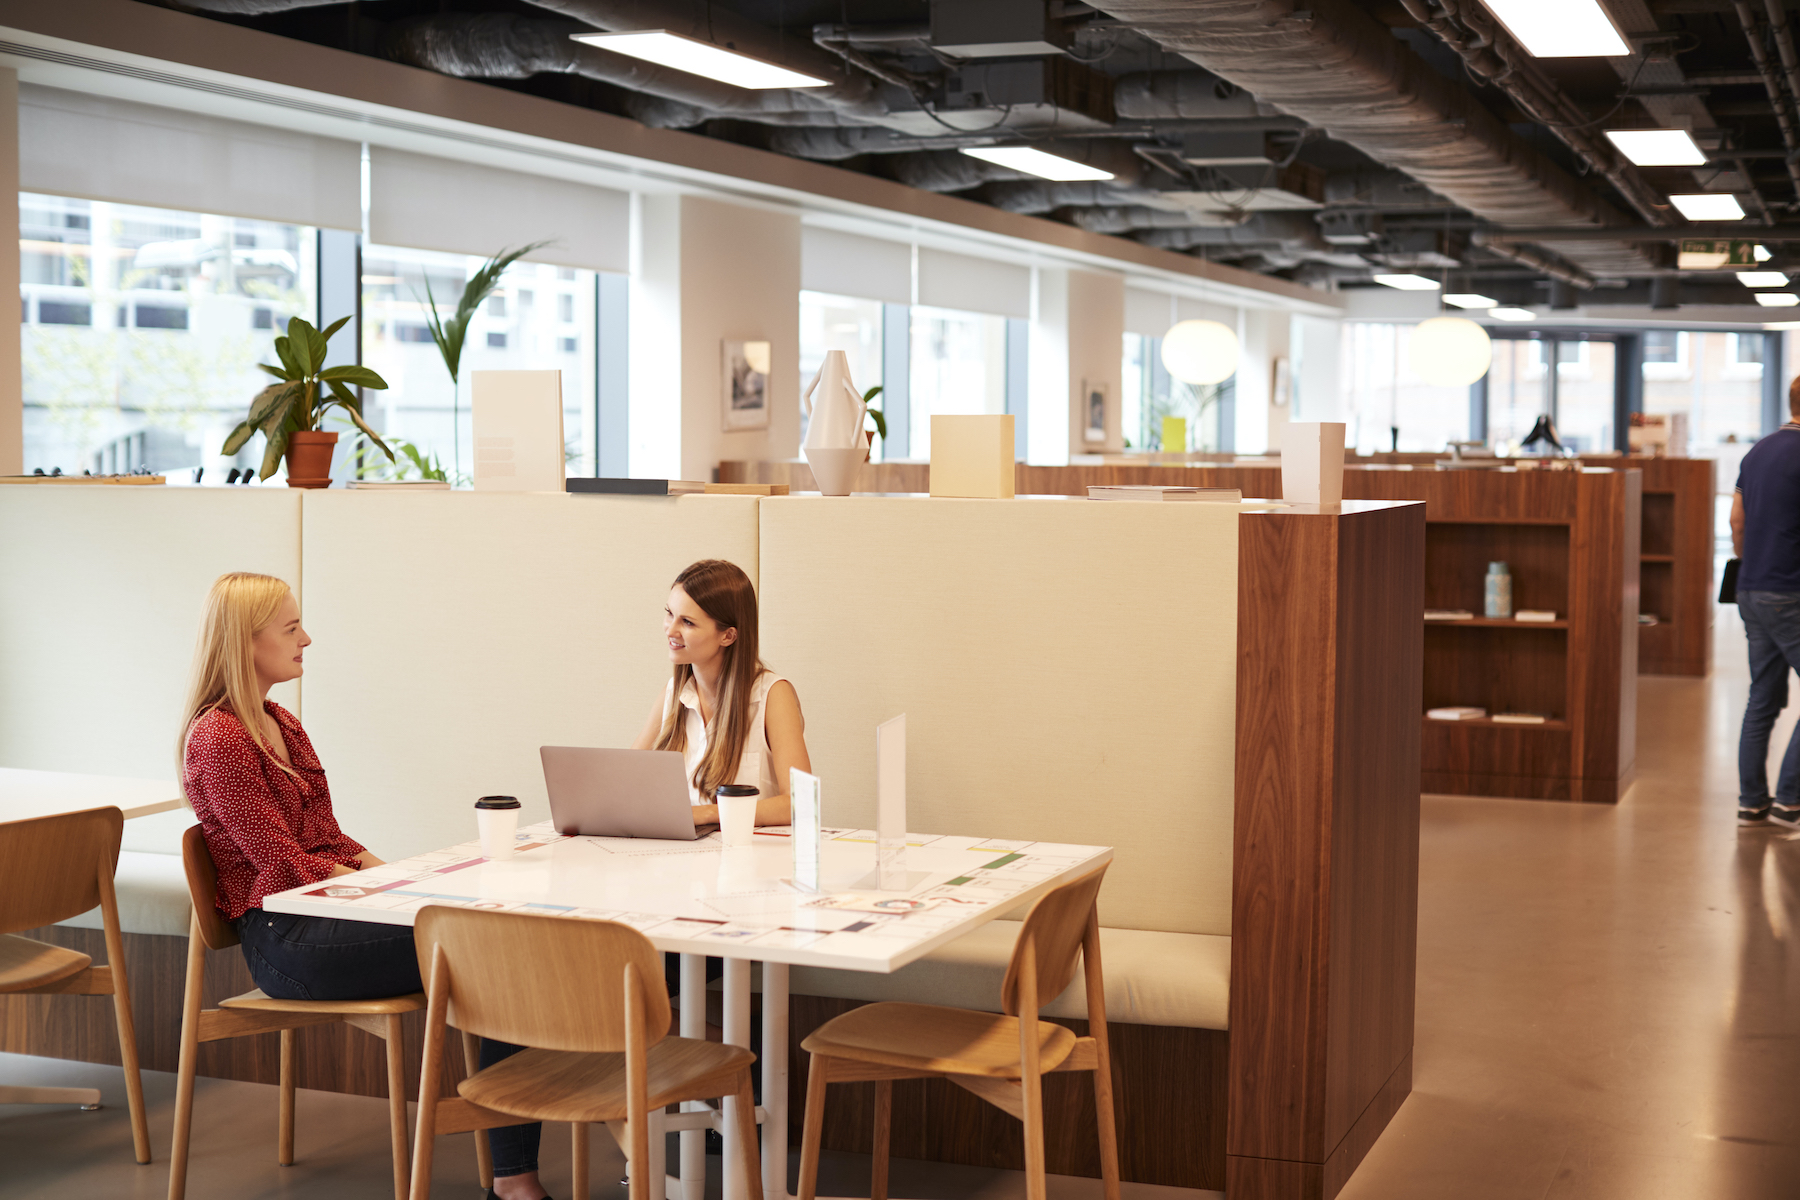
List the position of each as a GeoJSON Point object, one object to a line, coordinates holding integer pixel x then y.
{"type": "Point", "coordinates": [267, 830]}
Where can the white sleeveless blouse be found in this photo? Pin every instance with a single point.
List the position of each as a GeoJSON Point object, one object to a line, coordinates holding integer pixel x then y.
{"type": "Point", "coordinates": [757, 766]}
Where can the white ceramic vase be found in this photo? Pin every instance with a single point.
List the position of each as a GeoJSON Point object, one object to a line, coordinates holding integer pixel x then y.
{"type": "Point", "coordinates": [835, 443]}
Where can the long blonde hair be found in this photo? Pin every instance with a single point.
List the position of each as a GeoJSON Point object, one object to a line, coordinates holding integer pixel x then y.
{"type": "Point", "coordinates": [724, 593]}
{"type": "Point", "coordinates": [239, 606]}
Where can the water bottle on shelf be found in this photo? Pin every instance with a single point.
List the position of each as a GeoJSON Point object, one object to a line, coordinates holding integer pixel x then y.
{"type": "Point", "coordinates": [1498, 591]}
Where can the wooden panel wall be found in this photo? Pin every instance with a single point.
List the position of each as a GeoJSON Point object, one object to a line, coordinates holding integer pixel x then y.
{"type": "Point", "coordinates": [1325, 856]}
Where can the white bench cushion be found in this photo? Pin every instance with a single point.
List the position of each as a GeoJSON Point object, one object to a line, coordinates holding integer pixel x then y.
{"type": "Point", "coordinates": [158, 833]}
{"type": "Point", "coordinates": [1152, 978]}
{"type": "Point", "coordinates": [153, 895]}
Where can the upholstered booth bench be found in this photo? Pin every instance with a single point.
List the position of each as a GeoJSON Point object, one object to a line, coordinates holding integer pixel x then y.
{"type": "Point", "coordinates": [1228, 697]}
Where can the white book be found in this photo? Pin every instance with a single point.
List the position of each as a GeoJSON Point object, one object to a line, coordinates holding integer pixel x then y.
{"type": "Point", "coordinates": [1534, 614]}
{"type": "Point", "coordinates": [1511, 718]}
{"type": "Point", "coordinates": [1449, 614]}
{"type": "Point", "coordinates": [1153, 492]}
{"type": "Point", "coordinates": [1456, 713]}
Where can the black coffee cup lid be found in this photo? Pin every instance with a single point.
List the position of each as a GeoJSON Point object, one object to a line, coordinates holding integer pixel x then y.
{"type": "Point", "coordinates": [498, 802]}
{"type": "Point", "coordinates": [738, 789]}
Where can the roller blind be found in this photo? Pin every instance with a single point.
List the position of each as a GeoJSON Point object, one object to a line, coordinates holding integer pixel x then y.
{"type": "Point", "coordinates": [847, 265]}
{"type": "Point", "coordinates": [974, 284]}
{"type": "Point", "coordinates": [95, 148]}
{"type": "Point", "coordinates": [429, 203]}
{"type": "Point", "coordinates": [1201, 310]}
{"type": "Point", "coordinates": [1148, 314]}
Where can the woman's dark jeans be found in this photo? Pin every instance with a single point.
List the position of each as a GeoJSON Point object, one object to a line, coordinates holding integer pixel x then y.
{"type": "Point", "coordinates": [316, 958]}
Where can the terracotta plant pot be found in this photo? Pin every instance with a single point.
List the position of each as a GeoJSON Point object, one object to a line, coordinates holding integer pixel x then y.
{"type": "Point", "coordinates": [309, 458]}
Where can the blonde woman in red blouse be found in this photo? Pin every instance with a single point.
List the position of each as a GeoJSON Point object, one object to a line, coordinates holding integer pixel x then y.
{"type": "Point", "coordinates": [265, 810]}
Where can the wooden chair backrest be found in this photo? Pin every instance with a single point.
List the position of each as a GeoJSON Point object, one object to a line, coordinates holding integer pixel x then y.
{"type": "Point", "coordinates": [50, 866]}
{"type": "Point", "coordinates": [1055, 926]}
{"type": "Point", "coordinates": [203, 890]}
{"type": "Point", "coordinates": [547, 982]}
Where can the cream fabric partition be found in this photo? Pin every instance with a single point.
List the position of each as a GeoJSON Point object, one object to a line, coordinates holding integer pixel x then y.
{"type": "Point", "coordinates": [1067, 667]}
{"type": "Point", "coordinates": [101, 593]}
{"type": "Point", "coordinates": [455, 633]}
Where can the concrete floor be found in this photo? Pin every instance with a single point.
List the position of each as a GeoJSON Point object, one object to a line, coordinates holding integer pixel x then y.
{"type": "Point", "coordinates": [1609, 1009]}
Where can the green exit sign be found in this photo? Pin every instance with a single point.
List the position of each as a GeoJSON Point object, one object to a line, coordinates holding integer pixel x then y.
{"type": "Point", "coordinates": [1715, 254]}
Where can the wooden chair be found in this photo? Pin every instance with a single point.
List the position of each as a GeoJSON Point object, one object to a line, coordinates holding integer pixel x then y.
{"type": "Point", "coordinates": [254, 1013]}
{"type": "Point", "coordinates": [51, 869]}
{"type": "Point", "coordinates": [589, 1000]}
{"type": "Point", "coordinates": [1000, 1057]}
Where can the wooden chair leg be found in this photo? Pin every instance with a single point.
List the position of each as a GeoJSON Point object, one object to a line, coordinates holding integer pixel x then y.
{"type": "Point", "coordinates": [750, 1157]}
{"type": "Point", "coordinates": [484, 1153]}
{"type": "Point", "coordinates": [396, 1082]}
{"type": "Point", "coordinates": [1108, 1130]}
{"type": "Point", "coordinates": [884, 1124]}
{"type": "Point", "coordinates": [128, 1048]}
{"type": "Point", "coordinates": [430, 1078]}
{"type": "Point", "coordinates": [284, 1134]}
{"type": "Point", "coordinates": [189, 1062]}
{"type": "Point", "coordinates": [1036, 1185]}
{"type": "Point", "coordinates": [578, 1160]}
{"type": "Point", "coordinates": [813, 1128]}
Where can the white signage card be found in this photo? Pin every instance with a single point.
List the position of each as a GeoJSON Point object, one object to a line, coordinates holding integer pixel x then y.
{"type": "Point", "coordinates": [803, 793]}
{"type": "Point", "coordinates": [890, 803]}
{"type": "Point", "coordinates": [517, 421]}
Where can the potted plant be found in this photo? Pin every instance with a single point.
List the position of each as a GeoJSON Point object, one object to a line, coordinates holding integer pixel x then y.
{"type": "Point", "coordinates": [289, 411]}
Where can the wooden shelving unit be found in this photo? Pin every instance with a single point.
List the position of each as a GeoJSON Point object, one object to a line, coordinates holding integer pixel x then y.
{"type": "Point", "coordinates": [1677, 565]}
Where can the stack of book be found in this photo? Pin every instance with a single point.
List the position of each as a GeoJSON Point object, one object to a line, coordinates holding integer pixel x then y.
{"type": "Point", "coordinates": [1151, 491]}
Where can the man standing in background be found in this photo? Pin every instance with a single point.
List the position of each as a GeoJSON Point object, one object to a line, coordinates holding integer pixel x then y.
{"type": "Point", "coordinates": [1765, 535]}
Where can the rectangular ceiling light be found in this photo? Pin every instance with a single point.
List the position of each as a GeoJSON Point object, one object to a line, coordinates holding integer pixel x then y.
{"type": "Point", "coordinates": [1762, 278]}
{"type": "Point", "coordinates": [1514, 314]}
{"type": "Point", "coordinates": [1561, 28]}
{"type": "Point", "coordinates": [1408, 283]}
{"type": "Point", "coordinates": [1037, 162]}
{"type": "Point", "coordinates": [1709, 206]}
{"type": "Point", "coordinates": [699, 58]}
{"type": "Point", "coordinates": [1777, 299]}
{"type": "Point", "coordinates": [1658, 147]}
{"type": "Point", "coordinates": [1469, 300]}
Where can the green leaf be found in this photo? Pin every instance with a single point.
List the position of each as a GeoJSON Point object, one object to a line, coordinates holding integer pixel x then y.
{"type": "Point", "coordinates": [300, 337]}
{"type": "Point", "coordinates": [284, 350]}
{"type": "Point", "coordinates": [359, 376]}
{"type": "Point", "coordinates": [277, 372]}
{"type": "Point", "coordinates": [267, 400]}
{"type": "Point", "coordinates": [356, 417]}
{"type": "Point", "coordinates": [272, 454]}
{"type": "Point", "coordinates": [880, 422]}
{"type": "Point", "coordinates": [334, 327]}
{"type": "Point", "coordinates": [238, 437]}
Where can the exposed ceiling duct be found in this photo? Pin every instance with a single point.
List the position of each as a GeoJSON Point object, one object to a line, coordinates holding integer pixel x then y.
{"type": "Point", "coordinates": [1333, 65]}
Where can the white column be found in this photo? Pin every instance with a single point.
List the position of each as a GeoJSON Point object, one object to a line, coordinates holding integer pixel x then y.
{"type": "Point", "coordinates": [12, 392]}
{"type": "Point", "coordinates": [655, 360]}
{"type": "Point", "coordinates": [1050, 398]}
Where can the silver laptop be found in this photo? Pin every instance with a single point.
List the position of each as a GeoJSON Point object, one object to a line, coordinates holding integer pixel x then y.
{"type": "Point", "coordinates": [618, 793]}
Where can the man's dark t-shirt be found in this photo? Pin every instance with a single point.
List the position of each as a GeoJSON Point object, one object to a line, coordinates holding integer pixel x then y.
{"type": "Point", "coordinates": [1770, 482]}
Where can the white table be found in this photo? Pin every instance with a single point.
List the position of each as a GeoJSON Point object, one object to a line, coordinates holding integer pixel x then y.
{"type": "Point", "coordinates": [699, 898]}
{"type": "Point", "coordinates": [25, 794]}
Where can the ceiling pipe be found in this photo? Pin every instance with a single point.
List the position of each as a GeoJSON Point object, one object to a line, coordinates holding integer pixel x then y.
{"type": "Point", "coordinates": [1549, 264]}
{"type": "Point", "coordinates": [1668, 233]}
{"type": "Point", "coordinates": [946, 171]}
{"type": "Point", "coordinates": [1784, 116]}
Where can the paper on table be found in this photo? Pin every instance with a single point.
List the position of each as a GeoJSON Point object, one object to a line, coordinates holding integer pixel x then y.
{"type": "Point", "coordinates": [890, 802]}
{"type": "Point", "coordinates": [803, 793]}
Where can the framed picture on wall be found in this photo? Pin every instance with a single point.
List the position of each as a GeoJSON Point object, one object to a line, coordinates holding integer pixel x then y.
{"type": "Point", "coordinates": [746, 384]}
{"type": "Point", "coordinates": [1094, 422]}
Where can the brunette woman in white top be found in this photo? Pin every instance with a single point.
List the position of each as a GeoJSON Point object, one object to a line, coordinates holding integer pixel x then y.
{"type": "Point", "coordinates": [732, 719]}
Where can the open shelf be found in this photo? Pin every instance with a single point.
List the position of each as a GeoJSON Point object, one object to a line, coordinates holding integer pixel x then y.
{"type": "Point", "coordinates": [1490, 723]}
{"type": "Point", "coordinates": [1495, 623]}
{"type": "Point", "coordinates": [1457, 554]}
{"type": "Point", "coordinates": [1658, 538]}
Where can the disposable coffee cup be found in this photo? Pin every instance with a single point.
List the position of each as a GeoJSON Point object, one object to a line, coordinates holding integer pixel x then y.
{"type": "Point", "coordinates": [737, 813]}
{"type": "Point", "coordinates": [497, 820]}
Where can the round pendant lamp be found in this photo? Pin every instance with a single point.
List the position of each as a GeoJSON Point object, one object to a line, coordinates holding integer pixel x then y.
{"type": "Point", "coordinates": [1450, 351]}
{"type": "Point", "coordinates": [1200, 351]}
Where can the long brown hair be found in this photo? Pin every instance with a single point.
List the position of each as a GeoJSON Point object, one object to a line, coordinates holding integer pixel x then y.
{"type": "Point", "coordinates": [239, 606]}
{"type": "Point", "coordinates": [724, 593]}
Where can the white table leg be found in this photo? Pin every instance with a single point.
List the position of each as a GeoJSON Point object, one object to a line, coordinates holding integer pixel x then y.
{"type": "Point", "coordinates": [737, 1033]}
{"type": "Point", "coordinates": [659, 1167]}
{"type": "Point", "coordinates": [775, 1080]}
{"type": "Point", "coordinates": [693, 1025]}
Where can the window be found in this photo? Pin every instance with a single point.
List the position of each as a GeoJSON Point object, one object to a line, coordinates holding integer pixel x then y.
{"type": "Point", "coordinates": [1665, 354]}
{"type": "Point", "coordinates": [508, 332]}
{"type": "Point", "coordinates": [1715, 385]}
{"type": "Point", "coordinates": [1381, 394]}
{"type": "Point", "coordinates": [1149, 395]}
{"type": "Point", "coordinates": [958, 365]}
{"type": "Point", "coordinates": [1744, 356]}
{"type": "Point", "coordinates": [143, 327]}
{"type": "Point", "coordinates": [844, 323]}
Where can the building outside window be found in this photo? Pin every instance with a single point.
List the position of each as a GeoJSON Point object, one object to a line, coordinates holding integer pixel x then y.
{"type": "Point", "coordinates": [142, 328]}
{"type": "Point", "coordinates": [844, 323]}
{"type": "Point", "coordinates": [541, 317]}
{"type": "Point", "coordinates": [1381, 393]}
{"type": "Point", "coordinates": [958, 365]}
{"type": "Point", "coordinates": [1716, 380]}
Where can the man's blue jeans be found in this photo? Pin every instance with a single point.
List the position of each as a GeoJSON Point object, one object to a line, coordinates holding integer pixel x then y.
{"type": "Point", "coordinates": [1772, 621]}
